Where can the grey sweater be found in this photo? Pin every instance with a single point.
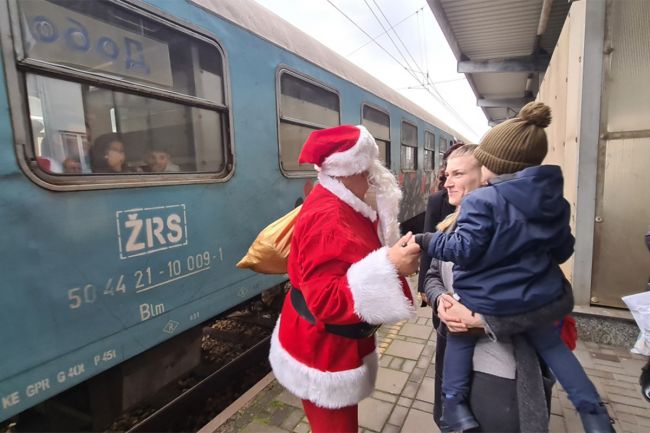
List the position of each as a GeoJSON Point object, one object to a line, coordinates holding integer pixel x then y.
{"type": "Point", "coordinates": [506, 353]}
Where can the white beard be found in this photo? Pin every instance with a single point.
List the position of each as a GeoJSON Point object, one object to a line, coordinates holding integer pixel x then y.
{"type": "Point", "coordinates": [384, 196]}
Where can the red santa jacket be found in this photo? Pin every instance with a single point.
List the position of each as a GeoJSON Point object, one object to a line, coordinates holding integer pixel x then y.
{"type": "Point", "coordinates": [344, 273]}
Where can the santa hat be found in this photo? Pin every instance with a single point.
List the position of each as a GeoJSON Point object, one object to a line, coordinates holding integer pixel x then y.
{"type": "Point", "coordinates": [340, 151]}
{"type": "Point", "coordinates": [346, 150]}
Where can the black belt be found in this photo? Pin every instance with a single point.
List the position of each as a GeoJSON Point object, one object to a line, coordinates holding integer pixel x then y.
{"type": "Point", "coordinates": [356, 330]}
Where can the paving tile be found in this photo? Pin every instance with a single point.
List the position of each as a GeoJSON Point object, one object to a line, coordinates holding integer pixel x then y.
{"type": "Point", "coordinates": [602, 355]}
{"type": "Point", "coordinates": [629, 401]}
{"type": "Point", "coordinates": [417, 331]}
{"type": "Point", "coordinates": [398, 415]}
{"type": "Point", "coordinates": [633, 366]}
{"type": "Point", "coordinates": [623, 408]}
{"type": "Point", "coordinates": [425, 393]}
{"type": "Point", "coordinates": [303, 427]}
{"type": "Point", "coordinates": [385, 360]}
{"type": "Point", "coordinates": [380, 395]}
{"type": "Point", "coordinates": [396, 363]}
{"type": "Point", "coordinates": [405, 349]}
{"type": "Point", "coordinates": [281, 414]}
{"type": "Point", "coordinates": [287, 398]}
{"type": "Point", "coordinates": [389, 428]}
{"type": "Point", "coordinates": [374, 413]}
{"type": "Point", "coordinates": [391, 381]}
{"type": "Point", "coordinates": [258, 427]}
{"type": "Point", "coordinates": [429, 350]}
{"type": "Point", "coordinates": [584, 357]}
{"type": "Point", "coordinates": [410, 389]}
{"type": "Point", "coordinates": [625, 378]}
{"type": "Point", "coordinates": [599, 373]}
{"type": "Point", "coordinates": [292, 420]}
{"type": "Point", "coordinates": [423, 406]}
{"type": "Point", "coordinates": [417, 375]}
{"type": "Point", "coordinates": [633, 392]}
{"type": "Point", "coordinates": [406, 402]}
{"type": "Point", "coordinates": [408, 366]}
{"type": "Point", "coordinates": [424, 362]}
{"type": "Point", "coordinates": [556, 407]}
{"type": "Point", "coordinates": [572, 423]}
{"type": "Point", "coordinates": [418, 421]}
{"type": "Point", "coordinates": [556, 424]}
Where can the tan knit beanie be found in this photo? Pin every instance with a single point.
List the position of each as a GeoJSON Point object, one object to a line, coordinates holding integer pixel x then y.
{"type": "Point", "coordinates": [516, 143]}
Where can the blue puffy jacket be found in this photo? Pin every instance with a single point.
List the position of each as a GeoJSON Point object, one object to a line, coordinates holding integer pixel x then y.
{"type": "Point", "coordinates": [509, 240]}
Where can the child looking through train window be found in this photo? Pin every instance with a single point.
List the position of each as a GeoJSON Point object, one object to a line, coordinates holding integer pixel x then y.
{"type": "Point", "coordinates": [159, 161]}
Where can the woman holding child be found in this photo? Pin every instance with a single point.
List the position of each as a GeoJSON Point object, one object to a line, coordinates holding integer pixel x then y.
{"type": "Point", "coordinates": [506, 242]}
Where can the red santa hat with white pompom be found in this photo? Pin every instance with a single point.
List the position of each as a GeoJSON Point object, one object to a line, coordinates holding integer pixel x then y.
{"type": "Point", "coordinates": [340, 151]}
{"type": "Point", "coordinates": [346, 150]}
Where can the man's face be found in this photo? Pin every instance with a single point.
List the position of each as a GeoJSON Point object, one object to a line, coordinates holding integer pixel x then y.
{"type": "Point", "coordinates": [463, 177]}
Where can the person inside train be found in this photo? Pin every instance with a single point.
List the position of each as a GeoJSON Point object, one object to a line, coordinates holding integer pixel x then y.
{"type": "Point", "coordinates": [346, 266]}
{"type": "Point", "coordinates": [159, 161]}
{"type": "Point", "coordinates": [72, 165]}
{"type": "Point", "coordinates": [509, 240]}
{"type": "Point", "coordinates": [509, 391]}
{"type": "Point", "coordinates": [107, 154]}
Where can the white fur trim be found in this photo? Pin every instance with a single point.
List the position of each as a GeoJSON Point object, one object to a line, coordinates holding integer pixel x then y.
{"type": "Point", "coordinates": [377, 290]}
{"type": "Point", "coordinates": [356, 159]}
{"type": "Point", "coordinates": [337, 188]}
{"type": "Point", "coordinates": [331, 390]}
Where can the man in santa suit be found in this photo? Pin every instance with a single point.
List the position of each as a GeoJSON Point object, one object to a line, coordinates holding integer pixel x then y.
{"type": "Point", "coordinates": [347, 266]}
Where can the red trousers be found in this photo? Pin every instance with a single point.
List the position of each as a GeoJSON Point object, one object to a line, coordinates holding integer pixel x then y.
{"type": "Point", "coordinates": [321, 420]}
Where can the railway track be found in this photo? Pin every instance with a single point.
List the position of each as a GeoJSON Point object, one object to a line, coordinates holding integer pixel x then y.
{"type": "Point", "coordinates": [168, 415]}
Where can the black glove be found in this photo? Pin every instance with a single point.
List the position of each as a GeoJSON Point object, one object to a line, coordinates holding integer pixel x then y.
{"type": "Point", "coordinates": [423, 240]}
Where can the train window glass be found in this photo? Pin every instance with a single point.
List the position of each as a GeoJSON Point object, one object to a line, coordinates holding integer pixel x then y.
{"type": "Point", "coordinates": [79, 129]}
{"type": "Point", "coordinates": [378, 124]}
{"type": "Point", "coordinates": [429, 151]}
{"type": "Point", "coordinates": [104, 39]}
{"type": "Point", "coordinates": [409, 147]}
{"type": "Point", "coordinates": [444, 145]}
{"type": "Point", "coordinates": [303, 107]}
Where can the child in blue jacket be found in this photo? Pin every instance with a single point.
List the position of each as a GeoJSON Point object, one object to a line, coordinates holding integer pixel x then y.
{"type": "Point", "coordinates": [509, 240]}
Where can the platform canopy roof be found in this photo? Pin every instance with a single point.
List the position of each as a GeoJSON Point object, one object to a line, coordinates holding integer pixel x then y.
{"type": "Point", "coordinates": [502, 46]}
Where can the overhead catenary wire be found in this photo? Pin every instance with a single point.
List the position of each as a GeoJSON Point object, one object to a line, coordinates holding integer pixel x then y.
{"type": "Point", "coordinates": [383, 33]}
{"type": "Point", "coordinates": [394, 31]}
{"type": "Point", "coordinates": [427, 85]}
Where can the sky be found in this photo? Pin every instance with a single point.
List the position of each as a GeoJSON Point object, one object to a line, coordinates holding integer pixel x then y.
{"type": "Point", "coordinates": [422, 46]}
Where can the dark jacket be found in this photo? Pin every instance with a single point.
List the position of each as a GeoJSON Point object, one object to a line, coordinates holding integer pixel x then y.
{"type": "Point", "coordinates": [519, 405]}
{"type": "Point", "coordinates": [438, 208]}
{"type": "Point", "coordinates": [509, 240]}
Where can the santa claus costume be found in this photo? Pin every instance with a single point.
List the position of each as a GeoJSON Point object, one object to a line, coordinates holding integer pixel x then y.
{"type": "Point", "coordinates": [323, 346]}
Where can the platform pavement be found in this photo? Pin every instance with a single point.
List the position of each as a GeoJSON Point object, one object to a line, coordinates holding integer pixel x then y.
{"type": "Point", "coordinates": [403, 399]}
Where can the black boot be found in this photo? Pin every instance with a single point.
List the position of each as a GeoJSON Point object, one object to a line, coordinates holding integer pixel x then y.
{"type": "Point", "coordinates": [597, 421]}
{"type": "Point", "coordinates": [456, 417]}
{"type": "Point", "coordinates": [644, 381]}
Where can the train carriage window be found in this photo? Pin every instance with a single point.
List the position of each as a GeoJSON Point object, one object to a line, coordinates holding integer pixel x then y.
{"type": "Point", "coordinates": [131, 95]}
{"type": "Point", "coordinates": [303, 106]}
{"type": "Point", "coordinates": [444, 145]}
{"type": "Point", "coordinates": [378, 124]}
{"type": "Point", "coordinates": [429, 151]}
{"type": "Point", "coordinates": [409, 148]}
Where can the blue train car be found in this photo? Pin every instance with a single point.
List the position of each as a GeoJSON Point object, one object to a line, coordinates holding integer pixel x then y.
{"type": "Point", "coordinates": [143, 145]}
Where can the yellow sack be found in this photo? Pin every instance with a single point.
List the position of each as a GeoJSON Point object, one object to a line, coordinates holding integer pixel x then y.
{"type": "Point", "coordinates": [269, 252]}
